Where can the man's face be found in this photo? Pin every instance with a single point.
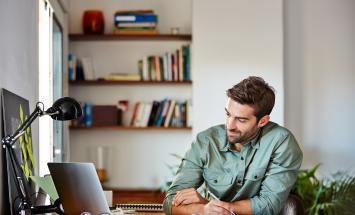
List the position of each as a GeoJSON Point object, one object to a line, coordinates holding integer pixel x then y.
{"type": "Point", "coordinates": [241, 124]}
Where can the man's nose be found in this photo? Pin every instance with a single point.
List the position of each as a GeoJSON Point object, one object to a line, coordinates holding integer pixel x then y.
{"type": "Point", "coordinates": [231, 124]}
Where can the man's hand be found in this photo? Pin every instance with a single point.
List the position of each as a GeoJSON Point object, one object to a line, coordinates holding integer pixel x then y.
{"type": "Point", "coordinates": [218, 207]}
{"type": "Point", "coordinates": [188, 196]}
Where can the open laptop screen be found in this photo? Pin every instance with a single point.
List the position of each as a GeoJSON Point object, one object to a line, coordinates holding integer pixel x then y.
{"type": "Point", "coordinates": [79, 188]}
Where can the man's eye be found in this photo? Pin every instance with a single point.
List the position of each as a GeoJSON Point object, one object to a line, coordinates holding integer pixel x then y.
{"type": "Point", "coordinates": [242, 120]}
{"type": "Point", "coordinates": [228, 114]}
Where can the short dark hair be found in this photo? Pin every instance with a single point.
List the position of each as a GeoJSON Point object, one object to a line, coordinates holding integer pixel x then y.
{"type": "Point", "coordinates": [256, 92]}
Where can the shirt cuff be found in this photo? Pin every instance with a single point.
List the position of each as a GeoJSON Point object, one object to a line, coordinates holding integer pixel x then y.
{"type": "Point", "coordinates": [167, 204]}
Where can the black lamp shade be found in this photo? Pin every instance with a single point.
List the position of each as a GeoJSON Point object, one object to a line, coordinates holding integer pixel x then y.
{"type": "Point", "coordinates": [65, 108]}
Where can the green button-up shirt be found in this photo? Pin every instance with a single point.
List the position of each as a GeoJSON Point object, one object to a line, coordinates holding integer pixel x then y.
{"type": "Point", "coordinates": [264, 171]}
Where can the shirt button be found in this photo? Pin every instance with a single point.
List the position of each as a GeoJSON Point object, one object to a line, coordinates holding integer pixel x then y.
{"type": "Point", "coordinates": [242, 158]}
{"type": "Point", "coordinates": [228, 170]}
{"type": "Point", "coordinates": [239, 181]}
{"type": "Point", "coordinates": [255, 176]}
{"type": "Point", "coordinates": [215, 181]}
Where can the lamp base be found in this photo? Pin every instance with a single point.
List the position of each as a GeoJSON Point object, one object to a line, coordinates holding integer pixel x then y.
{"type": "Point", "coordinates": [56, 208]}
{"type": "Point", "coordinates": [102, 175]}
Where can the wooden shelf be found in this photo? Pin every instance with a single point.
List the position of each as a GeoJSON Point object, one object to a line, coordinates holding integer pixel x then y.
{"type": "Point", "coordinates": [104, 82]}
{"type": "Point", "coordinates": [119, 127]}
{"type": "Point", "coordinates": [108, 37]}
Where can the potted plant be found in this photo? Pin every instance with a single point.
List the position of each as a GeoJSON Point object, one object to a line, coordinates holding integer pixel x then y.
{"type": "Point", "coordinates": [332, 195]}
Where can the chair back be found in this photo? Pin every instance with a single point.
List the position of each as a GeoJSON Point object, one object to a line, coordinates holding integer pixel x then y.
{"type": "Point", "coordinates": [293, 206]}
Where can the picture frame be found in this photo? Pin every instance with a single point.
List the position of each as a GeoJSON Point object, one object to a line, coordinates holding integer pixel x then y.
{"type": "Point", "coordinates": [15, 110]}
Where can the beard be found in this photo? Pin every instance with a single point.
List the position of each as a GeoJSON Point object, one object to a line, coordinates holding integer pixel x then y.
{"type": "Point", "coordinates": [236, 136]}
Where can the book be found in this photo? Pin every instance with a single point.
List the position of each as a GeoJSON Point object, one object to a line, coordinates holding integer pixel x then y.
{"type": "Point", "coordinates": [88, 68]}
{"type": "Point", "coordinates": [176, 117]}
{"type": "Point", "coordinates": [186, 56]}
{"type": "Point", "coordinates": [134, 113]}
{"type": "Point", "coordinates": [165, 67]}
{"type": "Point", "coordinates": [157, 68]}
{"type": "Point", "coordinates": [135, 18]}
{"type": "Point", "coordinates": [135, 31]}
{"type": "Point", "coordinates": [153, 113]}
{"type": "Point", "coordinates": [164, 112]}
{"type": "Point", "coordinates": [139, 115]}
{"type": "Point", "coordinates": [181, 68]}
{"type": "Point", "coordinates": [169, 75]}
{"type": "Point", "coordinates": [146, 76]}
{"type": "Point", "coordinates": [151, 68]}
{"type": "Point", "coordinates": [123, 77]}
{"type": "Point", "coordinates": [146, 11]}
{"type": "Point", "coordinates": [159, 112]}
{"type": "Point", "coordinates": [136, 25]}
{"type": "Point", "coordinates": [169, 113]}
{"type": "Point", "coordinates": [175, 68]}
{"type": "Point", "coordinates": [146, 114]}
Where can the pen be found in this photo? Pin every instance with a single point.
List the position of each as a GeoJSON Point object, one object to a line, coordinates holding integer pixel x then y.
{"type": "Point", "coordinates": [216, 198]}
{"type": "Point", "coordinates": [213, 196]}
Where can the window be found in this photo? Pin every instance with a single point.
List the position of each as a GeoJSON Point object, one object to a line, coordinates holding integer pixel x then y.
{"type": "Point", "coordinates": [50, 37]}
{"type": "Point", "coordinates": [57, 89]}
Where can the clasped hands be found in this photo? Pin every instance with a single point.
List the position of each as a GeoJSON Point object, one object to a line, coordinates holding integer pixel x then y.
{"type": "Point", "coordinates": [191, 196]}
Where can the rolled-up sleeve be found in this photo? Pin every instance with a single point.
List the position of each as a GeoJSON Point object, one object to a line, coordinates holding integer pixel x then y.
{"type": "Point", "coordinates": [280, 176]}
{"type": "Point", "coordinates": [189, 174]}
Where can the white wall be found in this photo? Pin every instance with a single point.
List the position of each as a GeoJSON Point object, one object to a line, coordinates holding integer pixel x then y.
{"type": "Point", "coordinates": [18, 58]}
{"type": "Point", "coordinates": [233, 39]}
{"type": "Point", "coordinates": [319, 80]}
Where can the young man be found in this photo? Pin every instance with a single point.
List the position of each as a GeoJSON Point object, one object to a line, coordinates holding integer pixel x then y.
{"type": "Point", "coordinates": [249, 164]}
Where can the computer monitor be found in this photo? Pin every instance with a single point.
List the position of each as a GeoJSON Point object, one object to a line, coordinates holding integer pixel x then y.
{"type": "Point", "coordinates": [79, 188]}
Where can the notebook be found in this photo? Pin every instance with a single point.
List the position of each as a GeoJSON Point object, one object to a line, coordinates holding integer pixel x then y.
{"type": "Point", "coordinates": [79, 188]}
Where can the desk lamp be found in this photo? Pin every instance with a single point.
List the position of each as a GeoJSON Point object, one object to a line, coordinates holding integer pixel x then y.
{"type": "Point", "coordinates": [65, 108]}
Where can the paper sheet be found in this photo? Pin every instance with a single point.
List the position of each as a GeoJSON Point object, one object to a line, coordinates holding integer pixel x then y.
{"type": "Point", "coordinates": [47, 185]}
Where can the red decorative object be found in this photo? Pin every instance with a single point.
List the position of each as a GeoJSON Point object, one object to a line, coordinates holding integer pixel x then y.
{"type": "Point", "coordinates": [93, 22]}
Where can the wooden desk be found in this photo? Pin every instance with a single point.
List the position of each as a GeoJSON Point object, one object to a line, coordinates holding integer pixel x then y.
{"type": "Point", "coordinates": [150, 213]}
{"type": "Point", "coordinates": [136, 196]}
{"type": "Point", "coordinates": [121, 196]}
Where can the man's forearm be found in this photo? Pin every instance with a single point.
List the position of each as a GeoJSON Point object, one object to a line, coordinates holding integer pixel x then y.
{"type": "Point", "coordinates": [242, 207]}
{"type": "Point", "coordinates": [188, 209]}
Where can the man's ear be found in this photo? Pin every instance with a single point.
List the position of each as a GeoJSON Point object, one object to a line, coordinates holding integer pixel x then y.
{"type": "Point", "coordinates": [263, 121]}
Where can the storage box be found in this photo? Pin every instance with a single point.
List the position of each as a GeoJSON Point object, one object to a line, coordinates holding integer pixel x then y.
{"type": "Point", "coordinates": [103, 115]}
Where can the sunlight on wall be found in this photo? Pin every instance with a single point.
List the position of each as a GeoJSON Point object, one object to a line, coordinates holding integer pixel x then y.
{"type": "Point", "coordinates": [45, 84]}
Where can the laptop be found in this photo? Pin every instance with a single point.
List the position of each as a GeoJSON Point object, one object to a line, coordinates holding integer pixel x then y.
{"type": "Point", "coordinates": [79, 188]}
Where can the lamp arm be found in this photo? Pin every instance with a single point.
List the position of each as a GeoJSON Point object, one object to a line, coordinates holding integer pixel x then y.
{"type": "Point", "coordinates": [8, 143]}
{"type": "Point", "coordinates": [11, 139]}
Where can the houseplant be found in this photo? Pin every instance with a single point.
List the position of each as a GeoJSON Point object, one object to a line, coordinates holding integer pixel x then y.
{"type": "Point", "coordinates": [332, 195]}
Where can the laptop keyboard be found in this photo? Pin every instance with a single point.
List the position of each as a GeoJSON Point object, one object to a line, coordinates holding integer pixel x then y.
{"type": "Point", "coordinates": [140, 207]}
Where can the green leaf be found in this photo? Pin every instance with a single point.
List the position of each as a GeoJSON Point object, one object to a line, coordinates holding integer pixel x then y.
{"type": "Point", "coordinates": [334, 195]}
{"type": "Point", "coordinates": [21, 114]}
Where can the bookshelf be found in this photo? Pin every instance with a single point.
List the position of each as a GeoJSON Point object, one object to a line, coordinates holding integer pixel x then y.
{"type": "Point", "coordinates": [105, 82]}
{"type": "Point", "coordinates": [107, 37]}
{"type": "Point", "coordinates": [118, 127]}
{"type": "Point", "coordinates": [146, 150]}
{"type": "Point", "coordinates": [101, 82]}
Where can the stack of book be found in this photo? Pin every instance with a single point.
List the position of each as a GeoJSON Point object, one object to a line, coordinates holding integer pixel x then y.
{"type": "Point", "coordinates": [136, 22]}
{"type": "Point", "coordinates": [165, 113]}
{"type": "Point", "coordinates": [172, 66]}
{"type": "Point", "coordinates": [80, 68]}
{"type": "Point", "coordinates": [122, 77]}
